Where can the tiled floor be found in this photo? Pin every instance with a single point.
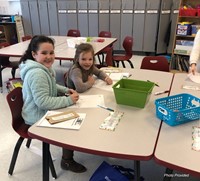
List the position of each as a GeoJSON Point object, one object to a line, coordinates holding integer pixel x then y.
{"type": "Point", "coordinates": [29, 164]}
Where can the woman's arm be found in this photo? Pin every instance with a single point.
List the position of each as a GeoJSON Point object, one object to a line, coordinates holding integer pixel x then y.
{"type": "Point", "coordinates": [195, 54]}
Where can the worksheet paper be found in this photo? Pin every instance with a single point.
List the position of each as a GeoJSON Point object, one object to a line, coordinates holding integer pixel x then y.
{"type": "Point", "coordinates": [118, 76]}
{"type": "Point", "coordinates": [195, 78]}
{"type": "Point", "coordinates": [69, 124]}
{"type": "Point", "coordinates": [100, 84]}
{"type": "Point", "coordinates": [89, 101]}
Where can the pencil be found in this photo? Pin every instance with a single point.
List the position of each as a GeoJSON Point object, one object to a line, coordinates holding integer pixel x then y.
{"type": "Point", "coordinates": [107, 108]}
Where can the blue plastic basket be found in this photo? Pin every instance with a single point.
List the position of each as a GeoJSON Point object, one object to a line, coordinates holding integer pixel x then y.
{"type": "Point", "coordinates": [178, 109]}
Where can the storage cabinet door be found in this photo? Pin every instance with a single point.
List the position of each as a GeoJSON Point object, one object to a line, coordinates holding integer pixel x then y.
{"type": "Point", "coordinates": [26, 17]}
{"type": "Point", "coordinates": [72, 19]}
{"type": "Point", "coordinates": [151, 25]}
{"type": "Point", "coordinates": [83, 17]}
{"type": "Point", "coordinates": [44, 17]}
{"type": "Point", "coordinates": [35, 20]}
{"type": "Point", "coordinates": [138, 24]}
{"type": "Point", "coordinates": [115, 21]}
{"type": "Point", "coordinates": [104, 16]}
{"type": "Point", "coordinates": [174, 16]}
{"type": "Point", "coordinates": [62, 17]}
{"type": "Point", "coordinates": [53, 17]}
{"type": "Point", "coordinates": [93, 24]}
{"type": "Point", "coordinates": [126, 20]}
{"type": "Point", "coordinates": [164, 24]}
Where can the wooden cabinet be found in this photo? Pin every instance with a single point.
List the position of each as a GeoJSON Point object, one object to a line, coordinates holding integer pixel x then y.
{"type": "Point", "coordinates": [7, 33]}
{"type": "Point", "coordinates": [188, 23]}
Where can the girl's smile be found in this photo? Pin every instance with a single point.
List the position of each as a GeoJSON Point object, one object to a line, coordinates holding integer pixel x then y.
{"type": "Point", "coordinates": [86, 60]}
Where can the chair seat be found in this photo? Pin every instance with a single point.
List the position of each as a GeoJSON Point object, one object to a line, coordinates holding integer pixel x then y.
{"type": "Point", "coordinates": [121, 57]}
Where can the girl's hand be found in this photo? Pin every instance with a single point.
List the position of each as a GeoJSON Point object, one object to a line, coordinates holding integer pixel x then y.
{"type": "Point", "coordinates": [91, 79]}
{"type": "Point", "coordinates": [108, 80]}
{"type": "Point", "coordinates": [74, 96]}
{"type": "Point", "coordinates": [71, 91]}
{"type": "Point", "coordinates": [193, 68]}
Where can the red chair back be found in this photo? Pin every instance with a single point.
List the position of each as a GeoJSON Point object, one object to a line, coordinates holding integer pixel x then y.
{"type": "Point", "coordinates": [128, 44]}
{"type": "Point", "coordinates": [105, 34]}
{"type": "Point", "coordinates": [158, 63]}
{"type": "Point", "coordinates": [74, 33]}
{"type": "Point", "coordinates": [15, 102]}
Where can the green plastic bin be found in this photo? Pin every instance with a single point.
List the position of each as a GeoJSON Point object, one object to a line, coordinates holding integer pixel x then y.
{"type": "Point", "coordinates": [134, 93]}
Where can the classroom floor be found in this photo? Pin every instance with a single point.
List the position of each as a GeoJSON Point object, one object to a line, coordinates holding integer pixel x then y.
{"type": "Point", "coordinates": [29, 164]}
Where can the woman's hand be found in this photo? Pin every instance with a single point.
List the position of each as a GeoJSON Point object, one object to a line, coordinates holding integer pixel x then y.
{"type": "Point", "coordinates": [193, 68]}
{"type": "Point", "coordinates": [108, 80]}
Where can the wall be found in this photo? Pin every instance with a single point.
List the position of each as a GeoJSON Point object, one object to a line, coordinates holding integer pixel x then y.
{"type": "Point", "coordinates": [10, 7]}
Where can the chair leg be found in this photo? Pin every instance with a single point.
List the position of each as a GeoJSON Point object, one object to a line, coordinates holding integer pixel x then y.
{"type": "Point", "coordinates": [60, 62]}
{"type": "Point", "coordinates": [117, 64]}
{"type": "Point", "coordinates": [28, 143]}
{"type": "Point", "coordinates": [130, 64]}
{"type": "Point", "coordinates": [99, 59]}
{"type": "Point", "coordinates": [123, 64]}
{"type": "Point", "coordinates": [51, 165]}
{"type": "Point", "coordinates": [102, 62]}
{"type": "Point", "coordinates": [1, 82]}
{"type": "Point", "coordinates": [15, 154]}
{"type": "Point", "coordinates": [13, 72]}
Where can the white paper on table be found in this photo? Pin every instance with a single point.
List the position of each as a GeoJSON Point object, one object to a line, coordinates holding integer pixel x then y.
{"type": "Point", "coordinates": [118, 76]}
{"type": "Point", "coordinates": [111, 69]}
{"type": "Point", "coordinates": [69, 124]}
{"type": "Point", "coordinates": [195, 78]}
{"type": "Point", "coordinates": [100, 84]}
{"type": "Point", "coordinates": [89, 101]}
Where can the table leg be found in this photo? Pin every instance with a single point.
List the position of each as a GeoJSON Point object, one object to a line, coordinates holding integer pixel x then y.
{"type": "Point", "coordinates": [45, 157]}
{"type": "Point", "coordinates": [167, 176]}
{"type": "Point", "coordinates": [1, 82]}
{"type": "Point", "coordinates": [137, 170]}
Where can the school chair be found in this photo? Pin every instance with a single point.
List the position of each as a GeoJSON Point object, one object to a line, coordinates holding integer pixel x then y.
{"type": "Point", "coordinates": [6, 63]}
{"type": "Point", "coordinates": [26, 37]}
{"type": "Point", "coordinates": [15, 102]}
{"type": "Point", "coordinates": [74, 33]}
{"type": "Point", "coordinates": [158, 63]}
{"type": "Point", "coordinates": [108, 60]}
{"type": "Point", "coordinates": [127, 45]}
{"type": "Point", "coordinates": [106, 34]}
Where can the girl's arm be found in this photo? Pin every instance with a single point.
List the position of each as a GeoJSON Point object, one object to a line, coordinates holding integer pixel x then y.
{"type": "Point", "coordinates": [76, 77]}
{"type": "Point", "coordinates": [102, 75]}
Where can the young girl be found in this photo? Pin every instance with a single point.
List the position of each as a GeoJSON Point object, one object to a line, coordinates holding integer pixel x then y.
{"type": "Point", "coordinates": [80, 75]}
{"type": "Point", "coordinates": [40, 91]}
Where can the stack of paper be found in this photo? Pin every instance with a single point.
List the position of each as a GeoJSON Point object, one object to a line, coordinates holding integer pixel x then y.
{"type": "Point", "coordinates": [69, 124]}
{"type": "Point", "coordinates": [195, 78]}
